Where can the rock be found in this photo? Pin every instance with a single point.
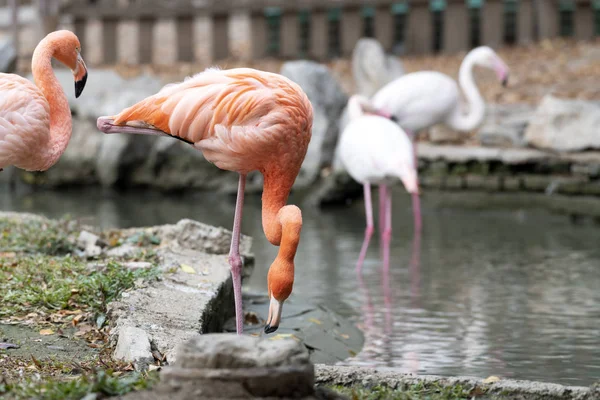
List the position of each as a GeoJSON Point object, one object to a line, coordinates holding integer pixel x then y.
{"type": "Point", "coordinates": [504, 125]}
{"type": "Point", "coordinates": [231, 366]}
{"type": "Point", "coordinates": [124, 251]}
{"type": "Point", "coordinates": [8, 56]}
{"type": "Point", "coordinates": [443, 134]}
{"type": "Point", "coordinates": [564, 125]}
{"type": "Point", "coordinates": [90, 244]}
{"type": "Point", "coordinates": [134, 346]}
{"type": "Point", "coordinates": [328, 101]}
{"type": "Point", "coordinates": [372, 68]}
{"type": "Point", "coordinates": [137, 265]}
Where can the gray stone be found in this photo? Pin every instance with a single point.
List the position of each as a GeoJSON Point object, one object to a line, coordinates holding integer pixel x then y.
{"type": "Point", "coordinates": [133, 346]}
{"type": "Point", "coordinates": [232, 366]}
{"type": "Point", "coordinates": [137, 265]}
{"type": "Point", "coordinates": [394, 378]}
{"type": "Point", "coordinates": [8, 56]}
{"type": "Point", "coordinates": [564, 125]}
{"type": "Point", "coordinates": [372, 68]}
{"type": "Point", "coordinates": [443, 134]}
{"type": "Point", "coordinates": [124, 251]}
{"type": "Point", "coordinates": [90, 244]}
{"type": "Point", "coordinates": [504, 125]}
{"type": "Point", "coordinates": [328, 101]}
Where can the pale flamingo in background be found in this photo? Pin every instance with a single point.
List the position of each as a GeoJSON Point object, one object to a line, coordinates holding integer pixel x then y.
{"type": "Point", "coordinates": [241, 120]}
{"type": "Point", "coordinates": [375, 150]}
{"type": "Point", "coordinates": [35, 119]}
{"type": "Point", "coordinates": [420, 100]}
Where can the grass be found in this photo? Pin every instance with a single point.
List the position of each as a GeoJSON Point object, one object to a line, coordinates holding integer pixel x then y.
{"type": "Point", "coordinates": [103, 383]}
{"type": "Point", "coordinates": [44, 283]}
{"type": "Point", "coordinates": [415, 392]}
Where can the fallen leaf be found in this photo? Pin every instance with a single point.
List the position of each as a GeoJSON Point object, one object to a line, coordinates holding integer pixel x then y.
{"type": "Point", "coordinates": [8, 254]}
{"type": "Point", "coordinates": [46, 332]}
{"type": "Point", "coordinates": [186, 268]}
{"type": "Point", "coordinates": [36, 362]}
{"type": "Point", "coordinates": [491, 379]}
{"type": "Point", "coordinates": [251, 318]}
{"type": "Point", "coordinates": [344, 336]}
{"type": "Point", "coordinates": [316, 321]}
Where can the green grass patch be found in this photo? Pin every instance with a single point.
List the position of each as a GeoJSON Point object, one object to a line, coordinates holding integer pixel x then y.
{"type": "Point", "coordinates": [48, 284]}
{"type": "Point", "coordinates": [103, 383]}
{"type": "Point", "coordinates": [50, 237]}
{"type": "Point", "coordinates": [415, 392]}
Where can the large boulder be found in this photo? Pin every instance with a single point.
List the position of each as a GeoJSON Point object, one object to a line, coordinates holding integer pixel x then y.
{"type": "Point", "coordinates": [328, 101]}
{"type": "Point", "coordinates": [504, 125]}
{"type": "Point", "coordinates": [564, 125]}
{"type": "Point", "coordinates": [8, 56]}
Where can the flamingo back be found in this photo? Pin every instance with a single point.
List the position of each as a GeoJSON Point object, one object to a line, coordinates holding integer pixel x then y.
{"type": "Point", "coordinates": [24, 122]}
{"type": "Point", "coordinates": [376, 150]}
{"type": "Point", "coordinates": [241, 119]}
{"type": "Point", "coordinates": [419, 99]}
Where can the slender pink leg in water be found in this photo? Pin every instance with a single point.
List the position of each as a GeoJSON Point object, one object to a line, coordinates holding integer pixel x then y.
{"type": "Point", "coordinates": [368, 230]}
{"type": "Point", "coordinates": [416, 200]}
{"type": "Point", "coordinates": [386, 236]}
{"type": "Point", "coordinates": [383, 189]}
{"type": "Point", "coordinates": [235, 261]}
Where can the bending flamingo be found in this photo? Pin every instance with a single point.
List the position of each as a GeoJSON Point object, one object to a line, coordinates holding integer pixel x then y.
{"type": "Point", "coordinates": [422, 99]}
{"type": "Point", "coordinates": [376, 151]}
{"type": "Point", "coordinates": [35, 119]}
{"type": "Point", "coordinates": [241, 120]}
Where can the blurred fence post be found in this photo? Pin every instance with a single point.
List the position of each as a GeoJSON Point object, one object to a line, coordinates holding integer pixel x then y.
{"type": "Point", "coordinates": [584, 20]}
{"type": "Point", "coordinates": [220, 36]}
{"type": "Point", "coordinates": [547, 19]}
{"type": "Point", "coordinates": [290, 33]}
{"type": "Point", "coordinates": [492, 22]}
{"type": "Point", "coordinates": [352, 29]}
{"type": "Point", "coordinates": [14, 17]}
{"type": "Point", "coordinates": [384, 26]}
{"type": "Point", "coordinates": [525, 24]}
{"type": "Point", "coordinates": [319, 34]}
{"type": "Point", "coordinates": [456, 26]}
{"type": "Point", "coordinates": [420, 28]}
{"type": "Point", "coordinates": [49, 12]}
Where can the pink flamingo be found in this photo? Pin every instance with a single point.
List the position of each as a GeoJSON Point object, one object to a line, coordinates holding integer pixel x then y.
{"type": "Point", "coordinates": [376, 150]}
{"type": "Point", "coordinates": [35, 119]}
{"type": "Point", "coordinates": [422, 99]}
{"type": "Point", "coordinates": [241, 120]}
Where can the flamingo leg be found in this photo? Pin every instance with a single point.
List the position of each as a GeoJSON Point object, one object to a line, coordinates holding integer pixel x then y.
{"type": "Point", "coordinates": [382, 193]}
{"type": "Point", "coordinates": [387, 231]}
{"type": "Point", "coordinates": [416, 200]}
{"type": "Point", "coordinates": [368, 230]}
{"type": "Point", "coordinates": [235, 260]}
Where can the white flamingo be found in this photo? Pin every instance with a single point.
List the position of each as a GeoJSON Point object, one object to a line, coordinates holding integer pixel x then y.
{"type": "Point", "coordinates": [422, 99]}
{"type": "Point", "coordinates": [375, 150]}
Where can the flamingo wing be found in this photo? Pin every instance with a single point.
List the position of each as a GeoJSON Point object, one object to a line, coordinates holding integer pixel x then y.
{"type": "Point", "coordinates": [230, 115]}
{"type": "Point", "coordinates": [24, 121]}
{"type": "Point", "coordinates": [419, 99]}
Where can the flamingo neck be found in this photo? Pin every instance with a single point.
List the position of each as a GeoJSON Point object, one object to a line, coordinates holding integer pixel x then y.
{"type": "Point", "coordinates": [470, 114]}
{"type": "Point", "coordinates": [355, 107]}
{"type": "Point", "coordinates": [60, 113]}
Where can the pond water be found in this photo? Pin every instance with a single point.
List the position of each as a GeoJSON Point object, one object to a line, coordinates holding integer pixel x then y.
{"type": "Point", "coordinates": [511, 291]}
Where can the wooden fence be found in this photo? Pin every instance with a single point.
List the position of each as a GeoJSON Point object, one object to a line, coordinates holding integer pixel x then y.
{"type": "Point", "coordinates": [206, 31]}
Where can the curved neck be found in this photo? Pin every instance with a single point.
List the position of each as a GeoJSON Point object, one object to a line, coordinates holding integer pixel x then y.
{"type": "Point", "coordinates": [277, 186]}
{"type": "Point", "coordinates": [468, 116]}
{"type": "Point", "coordinates": [357, 105]}
{"type": "Point", "coordinates": [60, 113]}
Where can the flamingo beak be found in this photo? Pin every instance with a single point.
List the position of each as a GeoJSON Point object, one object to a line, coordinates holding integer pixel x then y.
{"type": "Point", "coordinates": [410, 182]}
{"type": "Point", "coordinates": [501, 72]}
{"type": "Point", "coordinates": [80, 75]}
{"type": "Point", "coordinates": [275, 309]}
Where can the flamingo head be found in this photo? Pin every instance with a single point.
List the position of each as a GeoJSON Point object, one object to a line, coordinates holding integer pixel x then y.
{"type": "Point", "coordinates": [280, 283]}
{"type": "Point", "coordinates": [486, 57]}
{"type": "Point", "coordinates": [408, 176]}
{"type": "Point", "coordinates": [67, 50]}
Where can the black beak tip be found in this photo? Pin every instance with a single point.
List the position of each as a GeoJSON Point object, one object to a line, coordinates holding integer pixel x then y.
{"type": "Point", "coordinates": [505, 81]}
{"type": "Point", "coordinates": [270, 329]}
{"type": "Point", "coordinates": [394, 119]}
{"type": "Point", "coordinates": [79, 85]}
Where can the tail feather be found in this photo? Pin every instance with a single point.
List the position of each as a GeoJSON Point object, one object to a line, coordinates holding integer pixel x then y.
{"type": "Point", "coordinates": [108, 125]}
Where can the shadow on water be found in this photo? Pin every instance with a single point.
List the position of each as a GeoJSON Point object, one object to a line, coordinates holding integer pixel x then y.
{"type": "Point", "coordinates": [506, 290]}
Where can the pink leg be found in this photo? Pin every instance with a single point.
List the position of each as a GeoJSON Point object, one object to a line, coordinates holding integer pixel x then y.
{"type": "Point", "coordinates": [368, 230]}
{"type": "Point", "coordinates": [234, 256]}
{"type": "Point", "coordinates": [383, 189]}
{"type": "Point", "coordinates": [386, 237]}
{"type": "Point", "coordinates": [416, 200]}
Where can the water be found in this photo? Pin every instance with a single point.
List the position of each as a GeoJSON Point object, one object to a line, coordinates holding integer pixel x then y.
{"type": "Point", "coordinates": [506, 291]}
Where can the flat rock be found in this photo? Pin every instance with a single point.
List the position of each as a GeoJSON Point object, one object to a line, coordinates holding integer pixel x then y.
{"type": "Point", "coordinates": [564, 125]}
{"type": "Point", "coordinates": [504, 125]}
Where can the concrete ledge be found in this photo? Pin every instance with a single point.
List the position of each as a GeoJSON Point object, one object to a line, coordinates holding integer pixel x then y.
{"type": "Point", "coordinates": [488, 388]}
